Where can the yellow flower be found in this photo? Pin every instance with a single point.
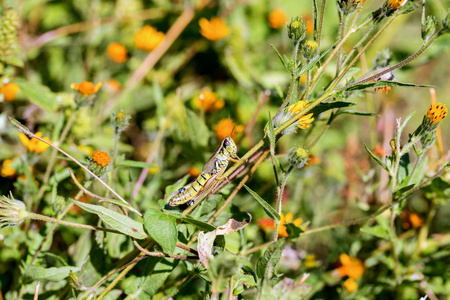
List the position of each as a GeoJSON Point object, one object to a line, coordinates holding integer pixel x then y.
{"type": "Point", "coordinates": [277, 18]}
{"type": "Point", "coordinates": [285, 219]}
{"type": "Point", "coordinates": [209, 101]}
{"type": "Point", "coordinates": [351, 266]}
{"type": "Point", "coordinates": [9, 91]}
{"type": "Point", "coordinates": [437, 112]}
{"type": "Point", "coordinates": [7, 171]}
{"type": "Point", "coordinates": [305, 120]}
{"type": "Point", "coordinates": [86, 88]}
{"type": "Point", "coordinates": [117, 52]}
{"type": "Point", "coordinates": [213, 30]}
{"type": "Point", "coordinates": [350, 285]}
{"type": "Point", "coordinates": [155, 170]}
{"type": "Point", "coordinates": [101, 158]}
{"type": "Point", "coordinates": [396, 4]}
{"type": "Point", "coordinates": [310, 261]}
{"type": "Point", "coordinates": [312, 44]}
{"type": "Point", "coordinates": [86, 150]}
{"type": "Point", "coordinates": [34, 145]}
{"type": "Point", "coordinates": [148, 38]}
{"type": "Point", "coordinates": [225, 127]}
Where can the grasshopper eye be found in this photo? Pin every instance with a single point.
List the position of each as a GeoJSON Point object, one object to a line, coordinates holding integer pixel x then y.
{"type": "Point", "coordinates": [226, 143]}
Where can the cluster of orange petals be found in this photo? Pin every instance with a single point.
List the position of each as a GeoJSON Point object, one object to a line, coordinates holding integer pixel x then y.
{"type": "Point", "coordinates": [86, 88]}
{"type": "Point", "coordinates": [396, 4]}
{"type": "Point", "coordinates": [209, 101]}
{"type": "Point", "coordinates": [437, 112]}
{"type": "Point", "coordinates": [351, 267]}
{"type": "Point", "coordinates": [101, 158]}
{"type": "Point", "coordinates": [214, 29]}
{"type": "Point", "coordinates": [148, 38]}
{"type": "Point", "coordinates": [277, 18]}
{"type": "Point", "coordinates": [225, 128]}
{"type": "Point", "coordinates": [9, 91]}
{"type": "Point", "coordinates": [7, 170]}
{"type": "Point", "coordinates": [117, 52]}
{"type": "Point", "coordinates": [268, 224]}
{"type": "Point", "coordinates": [34, 145]}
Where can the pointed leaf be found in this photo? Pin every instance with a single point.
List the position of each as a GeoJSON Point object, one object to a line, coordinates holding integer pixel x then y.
{"type": "Point", "coordinates": [51, 274]}
{"type": "Point", "coordinates": [379, 161]}
{"type": "Point", "coordinates": [135, 164]}
{"type": "Point", "coordinates": [115, 220]}
{"type": "Point", "coordinates": [270, 258]}
{"type": "Point", "coordinates": [271, 212]}
{"type": "Point", "coordinates": [38, 94]}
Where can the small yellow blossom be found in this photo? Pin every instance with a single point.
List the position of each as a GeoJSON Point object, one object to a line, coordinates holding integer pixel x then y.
{"type": "Point", "coordinates": [6, 170]}
{"type": "Point", "coordinates": [86, 88]}
{"type": "Point", "coordinates": [277, 18]}
{"type": "Point", "coordinates": [285, 219]}
{"type": "Point", "coordinates": [34, 145]}
{"type": "Point", "coordinates": [350, 285]}
{"type": "Point", "coordinates": [296, 24]}
{"type": "Point", "coordinates": [117, 52]}
{"type": "Point", "coordinates": [305, 120]}
{"type": "Point", "coordinates": [9, 91]}
{"type": "Point", "coordinates": [351, 266]}
{"type": "Point", "coordinates": [310, 261]}
{"type": "Point", "coordinates": [225, 127]}
{"type": "Point", "coordinates": [312, 44]}
{"type": "Point", "coordinates": [101, 158]}
{"type": "Point", "coordinates": [86, 150]}
{"type": "Point", "coordinates": [437, 112]}
{"type": "Point", "coordinates": [214, 29]}
{"type": "Point", "coordinates": [209, 101]}
{"type": "Point", "coordinates": [148, 38]}
{"type": "Point", "coordinates": [396, 4]}
{"type": "Point", "coordinates": [155, 170]}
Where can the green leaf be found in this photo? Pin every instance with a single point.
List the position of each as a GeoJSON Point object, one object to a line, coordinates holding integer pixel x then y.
{"type": "Point", "coordinates": [322, 107]}
{"type": "Point", "coordinates": [376, 230]}
{"type": "Point", "coordinates": [38, 94]}
{"type": "Point", "coordinates": [135, 164]}
{"type": "Point", "coordinates": [199, 224]}
{"type": "Point", "coordinates": [161, 227]}
{"type": "Point", "coordinates": [379, 84]}
{"type": "Point", "coordinates": [51, 274]}
{"type": "Point", "coordinates": [271, 212]}
{"type": "Point", "coordinates": [419, 173]}
{"type": "Point", "coordinates": [197, 130]}
{"type": "Point", "coordinates": [266, 264]}
{"type": "Point", "coordinates": [379, 161]}
{"type": "Point", "coordinates": [293, 231]}
{"type": "Point", "coordinates": [357, 113]}
{"type": "Point", "coordinates": [281, 58]}
{"type": "Point", "coordinates": [404, 170]}
{"type": "Point", "coordinates": [115, 220]}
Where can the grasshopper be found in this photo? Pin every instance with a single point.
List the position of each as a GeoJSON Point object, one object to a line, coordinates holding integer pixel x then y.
{"type": "Point", "coordinates": [210, 175]}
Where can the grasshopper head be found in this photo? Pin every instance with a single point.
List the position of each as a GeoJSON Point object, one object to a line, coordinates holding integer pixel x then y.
{"type": "Point", "coordinates": [230, 146]}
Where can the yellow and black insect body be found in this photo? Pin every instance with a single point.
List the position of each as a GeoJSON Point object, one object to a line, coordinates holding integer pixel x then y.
{"type": "Point", "coordinates": [210, 175]}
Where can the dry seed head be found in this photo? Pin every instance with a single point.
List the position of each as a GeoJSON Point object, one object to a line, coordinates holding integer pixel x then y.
{"type": "Point", "coordinates": [12, 212]}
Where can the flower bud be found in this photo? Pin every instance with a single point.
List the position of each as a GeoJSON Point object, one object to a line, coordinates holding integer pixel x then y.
{"type": "Point", "coordinates": [310, 49]}
{"type": "Point", "coordinates": [348, 6]}
{"type": "Point", "coordinates": [120, 121]}
{"type": "Point", "coordinates": [428, 28]}
{"type": "Point", "coordinates": [298, 157]}
{"type": "Point", "coordinates": [98, 162]}
{"type": "Point", "coordinates": [296, 30]}
{"type": "Point", "coordinates": [12, 212]}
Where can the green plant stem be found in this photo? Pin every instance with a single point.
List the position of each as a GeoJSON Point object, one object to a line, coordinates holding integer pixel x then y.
{"type": "Point", "coordinates": [278, 203]}
{"type": "Point", "coordinates": [343, 18]}
{"type": "Point", "coordinates": [52, 160]}
{"type": "Point", "coordinates": [320, 25]}
{"type": "Point", "coordinates": [393, 238]}
{"type": "Point", "coordinates": [39, 217]}
{"type": "Point", "coordinates": [367, 45]}
{"type": "Point", "coordinates": [358, 44]}
{"type": "Point", "coordinates": [399, 65]}
{"type": "Point", "coordinates": [423, 232]}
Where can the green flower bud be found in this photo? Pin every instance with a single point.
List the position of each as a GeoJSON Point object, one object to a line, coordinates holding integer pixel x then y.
{"type": "Point", "coordinates": [298, 157]}
{"type": "Point", "coordinates": [120, 121]}
{"type": "Point", "coordinates": [296, 30]}
{"type": "Point", "coordinates": [310, 49]}
{"type": "Point", "coordinates": [428, 28]}
{"type": "Point", "coordinates": [348, 6]}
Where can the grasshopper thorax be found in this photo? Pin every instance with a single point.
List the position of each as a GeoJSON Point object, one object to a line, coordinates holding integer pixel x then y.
{"type": "Point", "coordinates": [229, 146]}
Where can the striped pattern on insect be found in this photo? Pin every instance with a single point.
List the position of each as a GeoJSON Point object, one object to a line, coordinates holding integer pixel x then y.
{"type": "Point", "coordinates": [210, 175]}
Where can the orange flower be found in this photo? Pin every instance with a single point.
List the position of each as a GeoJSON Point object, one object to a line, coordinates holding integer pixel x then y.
{"type": "Point", "coordinates": [34, 145]}
{"type": "Point", "coordinates": [117, 52]}
{"type": "Point", "coordinates": [225, 127]}
{"type": "Point", "coordinates": [379, 150]}
{"type": "Point", "coordinates": [350, 285]}
{"type": "Point", "coordinates": [193, 172]}
{"type": "Point", "coordinates": [266, 224]}
{"type": "Point", "coordinates": [277, 18]}
{"type": "Point", "coordinates": [9, 91]}
{"type": "Point", "coordinates": [396, 4]}
{"type": "Point", "coordinates": [437, 112]}
{"type": "Point", "coordinates": [313, 160]}
{"type": "Point", "coordinates": [213, 30]}
{"type": "Point", "coordinates": [305, 120]}
{"type": "Point", "coordinates": [285, 219]}
{"type": "Point", "coordinates": [385, 89]}
{"type": "Point", "coordinates": [148, 38]}
{"type": "Point", "coordinates": [86, 88]}
{"type": "Point", "coordinates": [310, 26]}
{"type": "Point", "coordinates": [7, 171]}
{"type": "Point", "coordinates": [351, 266]}
{"type": "Point", "coordinates": [113, 85]}
{"type": "Point", "coordinates": [209, 101]}
{"type": "Point", "coordinates": [101, 158]}
{"type": "Point", "coordinates": [410, 220]}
